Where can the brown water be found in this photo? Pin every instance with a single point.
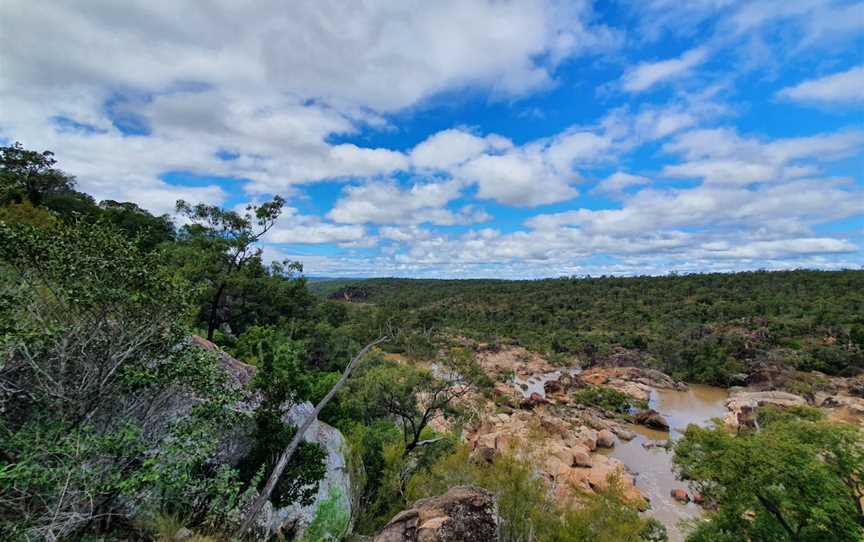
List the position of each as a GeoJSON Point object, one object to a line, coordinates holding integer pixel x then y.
{"type": "Point", "coordinates": [653, 467]}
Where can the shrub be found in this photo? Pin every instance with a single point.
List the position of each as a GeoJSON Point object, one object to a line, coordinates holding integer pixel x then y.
{"type": "Point", "coordinates": [607, 399]}
{"type": "Point", "coordinates": [331, 520]}
{"type": "Point", "coordinates": [526, 507]}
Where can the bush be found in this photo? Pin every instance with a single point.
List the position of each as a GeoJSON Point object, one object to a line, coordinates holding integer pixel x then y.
{"type": "Point", "coordinates": [607, 399]}
{"type": "Point", "coordinates": [95, 357]}
{"type": "Point", "coordinates": [526, 507]}
{"type": "Point", "coordinates": [331, 520]}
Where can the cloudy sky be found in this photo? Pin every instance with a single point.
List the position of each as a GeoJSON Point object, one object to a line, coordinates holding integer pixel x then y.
{"type": "Point", "coordinates": [465, 138]}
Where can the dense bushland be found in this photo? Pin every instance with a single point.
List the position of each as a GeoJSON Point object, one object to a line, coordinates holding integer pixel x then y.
{"type": "Point", "coordinates": [115, 425]}
{"type": "Point", "coordinates": [700, 328]}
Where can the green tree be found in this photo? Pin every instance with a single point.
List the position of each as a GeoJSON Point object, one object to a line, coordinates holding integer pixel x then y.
{"type": "Point", "coordinates": [149, 231]}
{"type": "Point", "coordinates": [219, 251]}
{"type": "Point", "coordinates": [30, 175]}
{"type": "Point", "coordinates": [415, 396]}
{"type": "Point", "coordinates": [796, 479]}
{"type": "Point", "coordinates": [282, 379]}
{"type": "Point", "coordinates": [94, 358]}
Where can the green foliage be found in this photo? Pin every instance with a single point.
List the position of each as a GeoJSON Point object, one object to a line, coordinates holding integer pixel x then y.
{"type": "Point", "coordinates": [93, 346]}
{"type": "Point", "coordinates": [796, 479]}
{"type": "Point", "coordinates": [377, 447]}
{"type": "Point", "coordinates": [30, 175]}
{"type": "Point", "coordinates": [331, 520]}
{"type": "Point", "coordinates": [147, 230]}
{"type": "Point", "coordinates": [299, 483]}
{"type": "Point", "coordinates": [281, 381]}
{"type": "Point", "coordinates": [218, 250]}
{"type": "Point", "coordinates": [526, 507]}
{"type": "Point", "coordinates": [607, 399]}
{"type": "Point", "coordinates": [771, 414]}
{"type": "Point", "coordinates": [388, 389]}
{"type": "Point", "coordinates": [701, 328]}
{"type": "Point", "coordinates": [26, 213]}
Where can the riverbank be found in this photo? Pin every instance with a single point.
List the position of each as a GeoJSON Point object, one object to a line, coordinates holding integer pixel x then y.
{"type": "Point", "coordinates": [535, 412]}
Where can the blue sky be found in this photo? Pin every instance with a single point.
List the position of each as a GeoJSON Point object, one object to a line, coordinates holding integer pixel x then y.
{"type": "Point", "coordinates": [466, 138]}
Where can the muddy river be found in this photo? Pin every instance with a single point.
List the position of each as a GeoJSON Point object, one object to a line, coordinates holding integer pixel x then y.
{"type": "Point", "coordinates": [653, 467]}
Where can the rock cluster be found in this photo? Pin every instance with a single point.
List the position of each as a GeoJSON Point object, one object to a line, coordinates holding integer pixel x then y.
{"type": "Point", "coordinates": [562, 449]}
{"type": "Point", "coordinates": [742, 406]}
{"type": "Point", "coordinates": [463, 513]}
{"type": "Point", "coordinates": [652, 419]}
{"type": "Point", "coordinates": [633, 381]}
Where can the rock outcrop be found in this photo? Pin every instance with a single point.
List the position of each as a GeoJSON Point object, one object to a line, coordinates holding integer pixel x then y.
{"type": "Point", "coordinates": [463, 513]}
{"type": "Point", "coordinates": [680, 495]}
{"type": "Point", "coordinates": [605, 439]}
{"type": "Point", "coordinates": [561, 448]}
{"type": "Point", "coordinates": [633, 381]}
{"type": "Point", "coordinates": [241, 373]}
{"type": "Point", "coordinates": [652, 419]}
{"type": "Point", "coordinates": [337, 478]}
{"type": "Point", "coordinates": [742, 406]}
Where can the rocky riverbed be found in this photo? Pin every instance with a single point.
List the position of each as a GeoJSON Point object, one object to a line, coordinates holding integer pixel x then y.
{"type": "Point", "coordinates": [577, 448]}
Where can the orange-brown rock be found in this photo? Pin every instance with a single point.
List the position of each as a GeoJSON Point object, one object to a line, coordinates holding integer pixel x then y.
{"type": "Point", "coordinates": [680, 495]}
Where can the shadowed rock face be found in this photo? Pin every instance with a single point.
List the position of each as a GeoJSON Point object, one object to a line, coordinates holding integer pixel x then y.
{"type": "Point", "coordinates": [463, 513]}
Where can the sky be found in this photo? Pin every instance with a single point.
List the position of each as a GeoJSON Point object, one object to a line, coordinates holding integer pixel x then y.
{"type": "Point", "coordinates": [462, 138]}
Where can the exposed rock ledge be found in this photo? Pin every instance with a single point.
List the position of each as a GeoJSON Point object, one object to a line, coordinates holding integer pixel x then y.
{"type": "Point", "coordinates": [633, 381]}
{"type": "Point", "coordinates": [742, 405]}
{"type": "Point", "coordinates": [463, 513]}
{"type": "Point", "coordinates": [561, 447]}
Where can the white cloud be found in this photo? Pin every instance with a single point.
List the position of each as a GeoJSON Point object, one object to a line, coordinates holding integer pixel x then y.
{"type": "Point", "coordinates": [618, 181]}
{"type": "Point", "coordinates": [538, 173]}
{"type": "Point", "coordinates": [381, 55]}
{"type": "Point", "coordinates": [843, 87]}
{"type": "Point", "coordinates": [648, 74]}
{"type": "Point", "coordinates": [782, 248]}
{"type": "Point", "coordinates": [805, 21]}
{"type": "Point", "coordinates": [721, 156]}
{"type": "Point", "coordinates": [450, 148]}
{"type": "Point", "coordinates": [293, 227]}
{"type": "Point", "coordinates": [288, 79]}
{"type": "Point", "coordinates": [802, 202]}
{"type": "Point", "coordinates": [386, 202]}
{"type": "Point", "coordinates": [813, 20]}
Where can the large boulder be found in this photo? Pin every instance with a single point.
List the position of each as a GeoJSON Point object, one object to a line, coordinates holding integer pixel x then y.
{"type": "Point", "coordinates": [652, 419]}
{"type": "Point", "coordinates": [605, 439]}
{"type": "Point", "coordinates": [680, 495]}
{"type": "Point", "coordinates": [742, 405]}
{"type": "Point", "coordinates": [337, 478]}
{"type": "Point", "coordinates": [336, 484]}
{"type": "Point", "coordinates": [463, 513]}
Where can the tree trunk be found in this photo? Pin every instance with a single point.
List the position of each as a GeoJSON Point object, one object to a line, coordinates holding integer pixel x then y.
{"type": "Point", "coordinates": [213, 322]}
{"type": "Point", "coordinates": [264, 496]}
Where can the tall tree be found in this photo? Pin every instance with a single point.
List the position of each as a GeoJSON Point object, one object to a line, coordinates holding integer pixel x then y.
{"type": "Point", "coordinates": [30, 175]}
{"type": "Point", "coordinates": [219, 251]}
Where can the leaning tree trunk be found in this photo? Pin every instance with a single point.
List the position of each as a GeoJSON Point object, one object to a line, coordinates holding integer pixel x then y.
{"type": "Point", "coordinates": [264, 496]}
